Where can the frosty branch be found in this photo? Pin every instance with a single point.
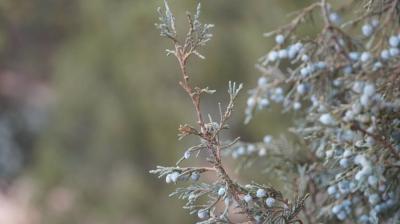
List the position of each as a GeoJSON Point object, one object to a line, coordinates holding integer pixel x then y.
{"type": "Point", "coordinates": [258, 203]}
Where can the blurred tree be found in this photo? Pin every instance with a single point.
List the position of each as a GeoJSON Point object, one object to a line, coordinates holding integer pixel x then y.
{"type": "Point", "coordinates": [116, 98]}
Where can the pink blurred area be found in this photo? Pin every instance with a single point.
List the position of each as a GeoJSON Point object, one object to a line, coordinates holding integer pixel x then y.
{"type": "Point", "coordinates": [24, 88]}
{"type": "Point", "coordinates": [16, 205]}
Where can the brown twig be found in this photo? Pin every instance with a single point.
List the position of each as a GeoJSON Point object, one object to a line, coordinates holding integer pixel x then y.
{"type": "Point", "coordinates": [213, 144]}
{"type": "Point", "coordinates": [381, 139]}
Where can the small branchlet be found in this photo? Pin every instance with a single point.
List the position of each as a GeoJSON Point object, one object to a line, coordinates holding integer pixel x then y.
{"type": "Point", "coordinates": [267, 205]}
{"type": "Point", "coordinates": [198, 34]}
{"type": "Point", "coordinates": [167, 23]}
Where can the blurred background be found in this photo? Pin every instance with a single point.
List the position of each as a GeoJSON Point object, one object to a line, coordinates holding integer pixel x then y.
{"type": "Point", "coordinates": [89, 103]}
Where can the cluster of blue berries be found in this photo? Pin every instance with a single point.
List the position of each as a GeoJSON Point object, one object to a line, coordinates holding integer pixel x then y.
{"type": "Point", "coordinates": [351, 117]}
{"type": "Point", "coordinates": [176, 176]}
{"type": "Point", "coordinates": [260, 198]}
{"type": "Point", "coordinates": [248, 150]}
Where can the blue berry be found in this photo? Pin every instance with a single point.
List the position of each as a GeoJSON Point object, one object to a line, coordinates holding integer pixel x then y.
{"type": "Point", "coordinates": [360, 159]}
{"type": "Point", "coordinates": [394, 52]}
{"type": "Point", "coordinates": [283, 53]}
{"type": "Point", "coordinates": [301, 88]}
{"type": "Point", "coordinates": [195, 176]}
{"type": "Point", "coordinates": [327, 119]}
{"type": "Point", "coordinates": [346, 203]}
{"type": "Point", "coordinates": [304, 71]}
{"type": "Point", "coordinates": [262, 81]}
{"type": "Point", "coordinates": [272, 56]}
{"type": "Point", "coordinates": [347, 70]}
{"type": "Point", "coordinates": [349, 116]}
{"type": "Point", "coordinates": [354, 56]}
{"type": "Point", "coordinates": [331, 190]}
{"type": "Point", "coordinates": [341, 215]}
{"type": "Point", "coordinates": [329, 154]}
{"type": "Point", "coordinates": [394, 41]}
{"type": "Point", "coordinates": [267, 139]}
{"type": "Point", "coordinates": [364, 100]}
{"type": "Point", "coordinates": [168, 179]}
{"type": "Point", "coordinates": [375, 22]}
{"type": "Point", "coordinates": [202, 214]}
{"type": "Point", "coordinates": [321, 65]}
{"type": "Point", "coordinates": [183, 177]}
{"type": "Point", "coordinates": [377, 65]}
{"type": "Point", "coordinates": [334, 18]}
{"type": "Point", "coordinates": [363, 218]}
{"type": "Point", "coordinates": [378, 208]}
{"type": "Point", "coordinates": [261, 193]}
{"type": "Point", "coordinates": [311, 68]}
{"type": "Point", "coordinates": [344, 163]}
{"type": "Point", "coordinates": [264, 103]}
{"type": "Point", "coordinates": [337, 82]}
{"type": "Point", "coordinates": [347, 153]}
{"type": "Point", "coordinates": [279, 91]}
{"type": "Point", "coordinates": [353, 185]}
{"type": "Point", "coordinates": [373, 181]}
{"type": "Point", "coordinates": [367, 169]}
{"type": "Point", "coordinates": [344, 187]}
{"type": "Point", "coordinates": [336, 209]}
{"type": "Point", "coordinates": [277, 98]}
{"type": "Point", "coordinates": [279, 39]}
{"type": "Point", "coordinates": [358, 86]}
{"type": "Point", "coordinates": [240, 150]}
{"type": "Point", "coordinates": [385, 55]}
{"type": "Point", "coordinates": [373, 199]}
{"type": "Point", "coordinates": [337, 195]}
{"type": "Point", "coordinates": [365, 56]}
{"type": "Point", "coordinates": [174, 176]}
{"type": "Point", "coordinates": [367, 30]}
{"type": "Point", "coordinates": [360, 175]}
{"type": "Point", "coordinates": [187, 155]}
{"type": "Point", "coordinates": [251, 102]}
{"type": "Point", "coordinates": [292, 52]}
{"type": "Point", "coordinates": [262, 152]}
{"type": "Point", "coordinates": [296, 105]}
{"type": "Point", "coordinates": [305, 58]}
{"type": "Point", "coordinates": [298, 46]}
{"type": "Point", "coordinates": [270, 202]}
{"type": "Point", "coordinates": [314, 100]}
{"type": "Point", "coordinates": [370, 140]}
{"type": "Point", "coordinates": [390, 203]}
{"type": "Point", "coordinates": [251, 148]}
{"type": "Point", "coordinates": [221, 191]}
{"type": "Point", "coordinates": [247, 198]}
